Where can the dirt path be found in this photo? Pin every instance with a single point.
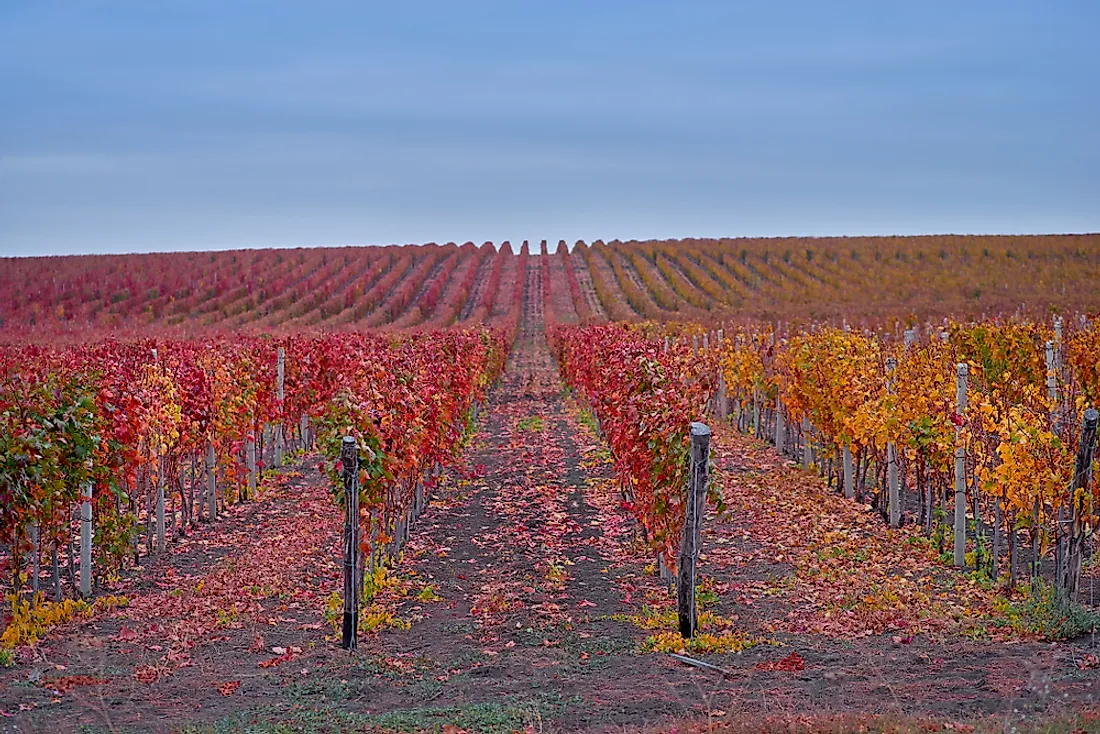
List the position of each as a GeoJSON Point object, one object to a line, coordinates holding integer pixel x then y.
{"type": "Point", "coordinates": [200, 621]}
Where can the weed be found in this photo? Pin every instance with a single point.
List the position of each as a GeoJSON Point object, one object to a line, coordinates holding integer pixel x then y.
{"type": "Point", "coordinates": [32, 618]}
{"type": "Point", "coordinates": [310, 690]}
{"type": "Point", "coordinates": [226, 617]}
{"type": "Point", "coordinates": [588, 420]}
{"type": "Point", "coordinates": [702, 642]}
{"type": "Point", "coordinates": [492, 718]}
{"type": "Point", "coordinates": [533, 423]}
{"type": "Point", "coordinates": [427, 594]}
{"type": "Point", "coordinates": [1045, 613]}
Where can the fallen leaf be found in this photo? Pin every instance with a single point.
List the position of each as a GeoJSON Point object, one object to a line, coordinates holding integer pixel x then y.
{"type": "Point", "coordinates": [229, 687]}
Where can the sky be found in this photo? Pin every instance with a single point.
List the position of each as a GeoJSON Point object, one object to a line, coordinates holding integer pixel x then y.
{"type": "Point", "coordinates": [151, 125]}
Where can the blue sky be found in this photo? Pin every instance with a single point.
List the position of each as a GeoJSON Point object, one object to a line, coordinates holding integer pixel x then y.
{"type": "Point", "coordinates": [142, 125]}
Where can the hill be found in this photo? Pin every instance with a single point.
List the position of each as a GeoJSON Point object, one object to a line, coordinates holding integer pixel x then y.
{"type": "Point", "coordinates": [428, 286]}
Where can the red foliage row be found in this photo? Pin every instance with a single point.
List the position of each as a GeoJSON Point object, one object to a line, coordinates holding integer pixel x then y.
{"type": "Point", "coordinates": [259, 290]}
{"type": "Point", "coordinates": [459, 292]}
{"type": "Point", "coordinates": [584, 313]}
{"type": "Point", "coordinates": [124, 417]}
{"type": "Point", "coordinates": [430, 292]}
{"type": "Point", "coordinates": [645, 400]}
{"type": "Point", "coordinates": [404, 291]}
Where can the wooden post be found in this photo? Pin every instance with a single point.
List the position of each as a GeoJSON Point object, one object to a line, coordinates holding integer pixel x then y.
{"type": "Point", "coordinates": [193, 513]}
{"type": "Point", "coordinates": [663, 571]}
{"type": "Point", "coordinates": [892, 484]}
{"type": "Point", "coordinates": [1035, 541]}
{"type": "Point", "coordinates": [419, 500]}
{"type": "Point", "coordinates": [780, 428]}
{"type": "Point", "coordinates": [398, 536]}
{"type": "Point", "coordinates": [280, 439]}
{"type": "Point", "coordinates": [267, 454]}
{"type": "Point", "coordinates": [211, 483]}
{"type": "Point", "coordinates": [806, 447]}
{"type": "Point", "coordinates": [695, 345]}
{"type": "Point", "coordinates": [722, 399]}
{"type": "Point", "coordinates": [1059, 557]}
{"type": "Point", "coordinates": [1052, 385]}
{"type": "Point", "coordinates": [86, 541]}
{"type": "Point", "coordinates": [160, 505]}
{"type": "Point", "coordinates": [693, 524]}
{"type": "Point", "coordinates": [150, 495]}
{"type": "Point", "coordinates": [849, 479]}
{"type": "Point", "coordinates": [1080, 509]}
{"type": "Point", "coordinates": [349, 458]}
{"type": "Point", "coordinates": [960, 468]}
{"type": "Point", "coordinates": [1013, 549]}
{"type": "Point", "coordinates": [303, 431]}
{"type": "Point", "coordinates": [36, 559]}
{"type": "Point", "coordinates": [55, 573]}
{"type": "Point", "coordinates": [756, 412]}
{"type": "Point", "coordinates": [998, 520]}
{"type": "Point", "coordinates": [250, 459]}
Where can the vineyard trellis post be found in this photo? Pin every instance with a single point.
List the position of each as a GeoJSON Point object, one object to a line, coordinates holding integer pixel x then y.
{"type": "Point", "coordinates": [722, 398]}
{"type": "Point", "coordinates": [1052, 385]}
{"type": "Point", "coordinates": [36, 558]}
{"type": "Point", "coordinates": [698, 470]}
{"type": "Point", "coordinates": [806, 448]}
{"type": "Point", "coordinates": [1081, 476]}
{"type": "Point", "coordinates": [756, 412]}
{"type": "Point", "coordinates": [86, 541]}
{"type": "Point", "coordinates": [250, 458]}
{"type": "Point", "coordinates": [212, 483]}
{"type": "Point", "coordinates": [894, 495]}
{"type": "Point", "coordinates": [780, 433]}
{"type": "Point", "coordinates": [280, 373]}
{"type": "Point", "coordinates": [160, 504]}
{"type": "Point", "coordinates": [849, 479]}
{"type": "Point", "coordinates": [960, 466]}
{"type": "Point", "coordinates": [349, 460]}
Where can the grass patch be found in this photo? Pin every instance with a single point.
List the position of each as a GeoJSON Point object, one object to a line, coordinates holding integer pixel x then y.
{"type": "Point", "coordinates": [320, 688]}
{"type": "Point", "coordinates": [1044, 613]}
{"type": "Point", "coordinates": [588, 420]}
{"type": "Point", "coordinates": [1083, 723]}
{"type": "Point", "coordinates": [532, 423]}
{"type": "Point", "coordinates": [487, 718]}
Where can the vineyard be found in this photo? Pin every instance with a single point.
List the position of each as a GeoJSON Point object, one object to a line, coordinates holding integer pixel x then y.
{"type": "Point", "coordinates": [865, 281]}
{"type": "Point", "coordinates": [453, 488]}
